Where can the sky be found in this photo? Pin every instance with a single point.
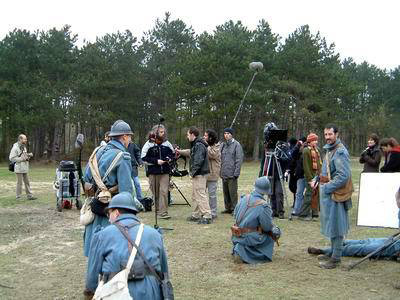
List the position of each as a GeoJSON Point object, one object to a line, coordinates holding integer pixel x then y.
{"type": "Point", "coordinates": [366, 30]}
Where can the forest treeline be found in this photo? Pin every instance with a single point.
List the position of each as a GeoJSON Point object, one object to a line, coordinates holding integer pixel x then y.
{"type": "Point", "coordinates": [51, 88]}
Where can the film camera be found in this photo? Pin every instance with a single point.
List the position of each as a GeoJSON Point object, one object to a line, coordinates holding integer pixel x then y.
{"type": "Point", "coordinates": [276, 140]}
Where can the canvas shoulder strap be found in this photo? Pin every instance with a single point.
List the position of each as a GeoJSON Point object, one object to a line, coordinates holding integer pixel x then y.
{"type": "Point", "coordinates": [135, 246]}
{"type": "Point", "coordinates": [94, 168]}
{"type": "Point", "coordinates": [328, 161]}
{"type": "Point", "coordinates": [135, 243]}
{"type": "Point", "coordinates": [257, 203]}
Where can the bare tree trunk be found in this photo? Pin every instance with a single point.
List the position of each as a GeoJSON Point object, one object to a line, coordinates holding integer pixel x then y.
{"type": "Point", "coordinates": [256, 145]}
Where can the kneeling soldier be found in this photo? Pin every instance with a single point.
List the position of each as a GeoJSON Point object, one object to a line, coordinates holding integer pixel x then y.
{"type": "Point", "coordinates": [253, 234]}
{"type": "Point", "coordinates": [110, 251]}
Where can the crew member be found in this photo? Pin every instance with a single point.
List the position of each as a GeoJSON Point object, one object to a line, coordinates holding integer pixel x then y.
{"type": "Point", "coordinates": [109, 252]}
{"type": "Point", "coordinates": [156, 153]}
{"type": "Point", "coordinates": [198, 170]}
{"type": "Point", "coordinates": [391, 148]}
{"type": "Point", "coordinates": [231, 163]}
{"type": "Point", "coordinates": [118, 179]}
{"type": "Point", "coordinates": [20, 157]}
{"type": "Point", "coordinates": [371, 156]}
{"type": "Point", "coordinates": [254, 233]}
{"type": "Point", "coordinates": [214, 158]}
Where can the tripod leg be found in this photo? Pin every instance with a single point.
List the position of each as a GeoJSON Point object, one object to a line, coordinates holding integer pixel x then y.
{"type": "Point", "coordinates": [183, 196]}
{"type": "Point", "coordinates": [283, 187]}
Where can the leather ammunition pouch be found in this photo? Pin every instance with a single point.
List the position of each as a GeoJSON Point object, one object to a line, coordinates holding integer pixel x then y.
{"type": "Point", "coordinates": [238, 232]}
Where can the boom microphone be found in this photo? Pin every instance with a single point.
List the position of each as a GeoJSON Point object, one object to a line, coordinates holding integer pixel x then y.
{"type": "Point", "coordinates": [256, 66]}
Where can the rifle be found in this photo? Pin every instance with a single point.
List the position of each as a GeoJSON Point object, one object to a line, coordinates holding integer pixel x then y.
{"type": "Point", "coordinates": [389, 242]}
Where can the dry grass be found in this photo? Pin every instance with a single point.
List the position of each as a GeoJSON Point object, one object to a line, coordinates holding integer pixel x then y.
{"type": "Point", "coordinates": [41, 252]}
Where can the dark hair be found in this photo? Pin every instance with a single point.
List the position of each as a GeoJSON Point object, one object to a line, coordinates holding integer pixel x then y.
{"type": "Point", "coordinates": [389, 142]}
{"type": "Point", "coordinates": [194, 130]}
{"type": "Point", "coordinates": [333, 126]}
{"type": "Point", "coordinates": [303, 139]}
{"type": "Point", "coordinates": [292, 141]}
{"type": "Point", "coordinates": [374, 137]}
{"type": "Point", "coordinates": [212, 137]}
{"type": "Point", "coordinates": [107, 133]}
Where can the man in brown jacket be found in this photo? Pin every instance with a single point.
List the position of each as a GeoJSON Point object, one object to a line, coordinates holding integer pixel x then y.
{"type": "Point", "coordinates": [214, 158]}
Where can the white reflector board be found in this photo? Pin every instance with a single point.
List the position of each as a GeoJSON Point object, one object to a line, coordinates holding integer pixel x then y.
{"type": "Point", "coordinates": [376, 201]}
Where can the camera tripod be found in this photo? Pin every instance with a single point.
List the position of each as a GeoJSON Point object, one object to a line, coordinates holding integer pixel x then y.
{"type": "Point", "coordinates": [180, 192]}
{"type": "Point", "coordinates": [270, 157]}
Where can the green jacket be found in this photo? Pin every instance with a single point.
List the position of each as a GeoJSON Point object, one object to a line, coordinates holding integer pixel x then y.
{"type": "Point", "coordinates": [309, 173]}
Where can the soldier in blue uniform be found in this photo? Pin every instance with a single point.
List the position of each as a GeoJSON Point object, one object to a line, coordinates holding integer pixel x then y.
{"type": "Point", "coordinates": [109, 252]}
{"type": "Point", "coordinates": [254, 233]}
{"type": "Point", "coordinates": [120, 175]}
{"type": "Point", "coordinates": [362, 248]}
{"type": "Point", "coordinates": [334, 215]}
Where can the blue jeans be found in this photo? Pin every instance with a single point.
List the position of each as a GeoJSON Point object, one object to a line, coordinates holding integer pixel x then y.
{"type": "Point", "coordinates": [138, 188]}
{"type": "Point", "coordinates": [301, 185]}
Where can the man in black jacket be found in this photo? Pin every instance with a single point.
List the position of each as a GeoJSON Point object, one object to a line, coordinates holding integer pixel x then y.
{"type": "Point", "coordinates": [371, 156]}
{"type": "Point", "coordinates": [198, 170]}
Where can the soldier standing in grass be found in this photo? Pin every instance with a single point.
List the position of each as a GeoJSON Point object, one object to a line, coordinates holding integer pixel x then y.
{"type": "Point", "coordinates": [334, 215]}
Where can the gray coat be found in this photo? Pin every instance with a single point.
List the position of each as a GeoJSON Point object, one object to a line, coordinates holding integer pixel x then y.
{"type": "Point", "coordinates": [231, 159]}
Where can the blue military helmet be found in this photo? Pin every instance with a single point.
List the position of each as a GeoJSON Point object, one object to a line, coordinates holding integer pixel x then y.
{"type": "Point", "coordinates": [120, 128]}
{"type": "Point", "coordinates": [126, 201]}
{"type": "Point", "coordinates": [262, 185]}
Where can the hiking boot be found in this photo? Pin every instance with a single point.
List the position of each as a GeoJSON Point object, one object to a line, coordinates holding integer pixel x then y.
{"type": "Point", "coordinates": [214, 217]}
{"type": "Point", "coordinates": [330, 264]}
{"type": "Point", "coordinates": [226, 211]}
{"type": "Point", "coordinates": [32, 198]}
{"type": "Point", "coordinates": [165, 216]}
{"type": "Point", "coordinates": [323, 257]}
{"type": "Point", "coordinates": [315, 251]}
{"type": "Point", "coordinates": [204, 221]}
{"type": "Point", "coordinates": [281, 216]}
{"type": "Point", "coordinates": [192, 219]}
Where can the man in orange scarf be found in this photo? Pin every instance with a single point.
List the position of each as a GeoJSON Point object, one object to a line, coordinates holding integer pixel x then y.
{"type": "Point", "coordinates": [312, 167]}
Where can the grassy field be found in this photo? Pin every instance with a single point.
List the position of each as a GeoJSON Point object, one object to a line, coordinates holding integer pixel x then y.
{"type": "Point", "coordinates": [41, 251]}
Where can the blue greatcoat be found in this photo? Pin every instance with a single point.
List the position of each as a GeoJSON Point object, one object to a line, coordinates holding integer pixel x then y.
{"type": "Point", "coordinates": [253, 247]}
{"type": "Point", "coordinates": [334, 216]}
{"type": "Point", "coordinates": [109, 251]}
{"type": "Point", "coordinates": [365, 247]}
{"type": "Point", "coordinates": [121, 175]}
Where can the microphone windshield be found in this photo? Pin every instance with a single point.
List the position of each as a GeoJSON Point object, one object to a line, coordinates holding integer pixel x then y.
{"type": "Point", "coordinates": [256, 66]}
{"type": "Point", "coordinates": [79, 141]}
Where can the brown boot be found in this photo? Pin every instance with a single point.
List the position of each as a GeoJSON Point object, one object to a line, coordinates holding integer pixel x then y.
{"type": "Point", "coordinates": [315, 251]}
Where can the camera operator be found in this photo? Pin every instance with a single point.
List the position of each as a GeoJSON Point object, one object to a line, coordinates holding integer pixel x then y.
{"type": "Point", "coordinates": [156, 153]}
{"type": "Point", "coordinates": [371, 156]}
{"type": "Point", "coordinates": [198, 169]}
{"type": "Point", "coordinates": [20, 157]}
{"type": "Point", "coordinates": [270, 169]}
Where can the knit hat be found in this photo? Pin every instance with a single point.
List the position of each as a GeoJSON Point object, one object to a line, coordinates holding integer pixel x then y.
{"type": "Point", "coordinates": [312, 137]}
{"type": "Point", "coordinates": [229, 130]}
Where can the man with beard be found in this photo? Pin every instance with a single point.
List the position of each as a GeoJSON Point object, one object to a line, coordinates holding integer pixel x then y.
{"type": "Point", "coordinates": [334, 215]}
{"type": "Point", "coordinates": [371, 156]}
{"type": "Point", "coordinates": [156, 153]}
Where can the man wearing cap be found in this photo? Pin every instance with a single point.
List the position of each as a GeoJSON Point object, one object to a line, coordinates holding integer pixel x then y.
{"type": "Point", "coordinates": [118, 179]}
{"type": "Point", "coordinates": [312, 167]}
{"type": "Point", "coordinates": [110, 252]}
{"type": "Point", "coordinates": [231, 162]}
{"type": "Point", "coordinates": [254, 233]}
